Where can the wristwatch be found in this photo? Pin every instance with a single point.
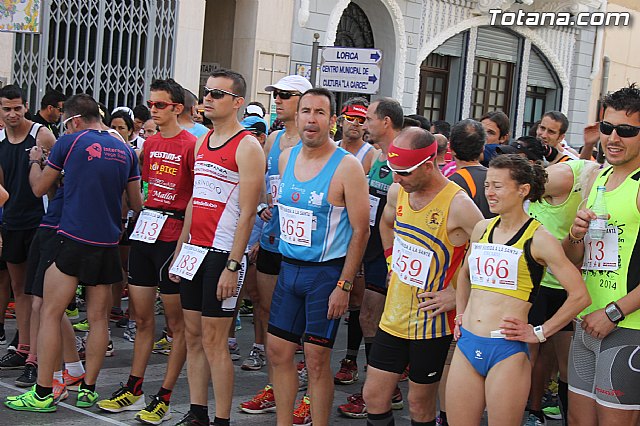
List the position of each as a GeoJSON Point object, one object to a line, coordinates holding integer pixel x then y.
{"type": "Point", "coordinates": [614, 313]}
{"type": "Point", "coordinates": [261, 207]}
{"type": "Point", "coordinates": [539, 332]}
{"type": "Point", "coordinates": [233, 265]}
{"type": "Point", "coordinates": [345, 285]}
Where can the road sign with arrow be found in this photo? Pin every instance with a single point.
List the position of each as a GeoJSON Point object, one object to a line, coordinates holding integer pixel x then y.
{"type": "Point", "coordinates": [353, 70]}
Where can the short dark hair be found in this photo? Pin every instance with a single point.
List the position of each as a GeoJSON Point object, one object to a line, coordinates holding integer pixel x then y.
{"type": "Point", "coordinates": [389, 107]}
{"type": "Point", "coordinates": [626, 99]}
{"type": "Point", "coordinates": [52, 97]}
{"type": "Point", "coordinates": [175, 90]}
{"type": "Point", "coordinates": [358, 100]}
{"type": "Point", "coordinates": [523, 171]}
{"type": "Point", "coordinates": [560, 117]}
{"type": "Point", "coordinates": [501, 119]}
{"type": "Point", "coordinates": [12, 91]}
{"type": "Point", "coordinates": [105, 115]}
{"type": "Point", "coordinates": [410, 122]}
{"type": "Point", "coordinates": [442, 127]}
{"type": "Point", "coordinates": [320, 91]}
{"type": "Point", "coordinates": [239, 85]}
{"type": "Point", "coordinates": [424, 122]}
{"type": "Point", "coordinates": [467, 140]}
{"type": "Point", "coordinates": [83, 105]}
{"type": "Point", "coordinates": [124, 116]}
{"type": "Point", "coordinates": [534, 146]}
{"type": "Point", "coordinates": [141, 112]}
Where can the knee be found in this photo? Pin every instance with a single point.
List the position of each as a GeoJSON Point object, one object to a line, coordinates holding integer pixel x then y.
{"type": "Point", "coordinates": [145, 323]}
{"type": "Point", "coordinates": [36, 304]}
{"type": "Point", "coordinates": [373, 398]}
{"type": "Point", "coordinates": [317, 361]}
{"type": "Point", "coordinates": [176, 326]}
{"type": "Point", "coordinates": [278, 356]}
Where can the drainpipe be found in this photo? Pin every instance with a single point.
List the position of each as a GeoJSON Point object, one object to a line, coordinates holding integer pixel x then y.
{"type": "Point", "coordinates": [598, 46]}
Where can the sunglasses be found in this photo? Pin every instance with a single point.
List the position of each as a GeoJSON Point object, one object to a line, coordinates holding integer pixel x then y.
{"type": "Point", "coordinates": [64, 123]}
{"type": "Point", "coordinates": [623, 130]}
{"type": "Point", "coordinates": [284, 95]}
{"type": "Point", "coordinates": [218, 93]}
{"type": "Point", "coordinates": [407, 172]}
{"type": "Point", "coordinates": [160, 104]}
{"type": "Point", "coordinates": [354, 120]}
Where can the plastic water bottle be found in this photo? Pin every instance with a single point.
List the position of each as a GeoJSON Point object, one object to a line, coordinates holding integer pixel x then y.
{"type": "Point", "coordinates": [598, 226]}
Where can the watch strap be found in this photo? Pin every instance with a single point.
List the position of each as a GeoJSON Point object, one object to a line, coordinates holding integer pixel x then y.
{"type": "Point", "coordinates": [539, 332]}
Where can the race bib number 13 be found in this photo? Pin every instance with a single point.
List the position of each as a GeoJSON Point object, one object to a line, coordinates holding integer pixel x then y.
{"type": "Point", "coordinates": [411, 263]}
{"type": "Point", "coordinates": [494, 265]}
{"type": "Point", "coordinates": [601, 255]}
{"type": "Point", "coordinates": [189, 261]}
{"type": "Point", "coordinates": [148, 226]}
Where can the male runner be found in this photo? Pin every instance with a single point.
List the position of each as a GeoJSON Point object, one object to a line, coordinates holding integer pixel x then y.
{"type": "Point", "coordinates": [94, 163]}
{"type": "Point", "coordinates": [426, 224]}
{"type": "Point", "coordinates": [23, 210]}
{"type": "Point", "coordinates": [168, 169]}
{"type": "Point", "coordinates": [229, 171]}
{"type": "Point", "coordinates": [552, 129]}
{"type": "Point", "coordinates": [352, 118]}
{"type": "Point", "coordinates": [51, 107]}
{"type": "Point", "coordinates": [324, 228]}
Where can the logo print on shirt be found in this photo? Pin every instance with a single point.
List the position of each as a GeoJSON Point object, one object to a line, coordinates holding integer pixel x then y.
{"type": "Point", "coordinates": [315, 199]}
{"type": "Point", "coordinates": [295, 197]}
{"type": "Point", "coordinates": [95, 151]}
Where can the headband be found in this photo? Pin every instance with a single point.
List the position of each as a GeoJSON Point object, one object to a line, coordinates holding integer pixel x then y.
{"type": "Point", "coordinates": [410, 157]}
{"type": "Point", "coordinates": [355, 111]}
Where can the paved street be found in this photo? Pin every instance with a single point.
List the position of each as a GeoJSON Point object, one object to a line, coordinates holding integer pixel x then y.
{"type": "Point", "coordinates": [116, 370]}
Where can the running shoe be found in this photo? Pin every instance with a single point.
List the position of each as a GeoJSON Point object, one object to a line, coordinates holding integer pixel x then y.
{"type": "Point", "coordinates": [355, 408]}
{"type": "Point", "coordinates": [303, 379]}
{"type": "Point", "coordinates": [348, 373]}
{"type": "Point", "coordinates": [14, 343]}
{"type": "Point", "coordinates": [246, 310]}
{"type": "Point", "coordinates": [552, 413]}
{"type": "Point", "coordinates": [155, 413]}
{"type": "Point", "coordinates": [158, 309]}
{"type": "Point", "coordinates": [86, 398]}
{"type": "Point", "coordinates": [190, 419]}
{"type": "Point", "coordinates": [263, 402]}
{"type": "Point", "coordinates": [82, 325]}
{"type": "Point", "coordinates": [72, 382]}
{"type": "Point", "coordinates": [302, 413]}
{"type": "Point", "coordinates": [405, 375]}
{"type": "Point", "coordinates": [60, 392]}
{"type": "Point", "coordinates": [28, 377]}
{"type": "Point", "coordinates": [299, 349]}
{"type": "Point", "coordinates": [397, 402]}
{"type": "Point", "coordinates": [116, 315]}
{"type": "Point", "coordinates": [234, 350]}
{"type": "Point", "coordinates": [72, 314]}
{"type": "Point", "coordinates": [3, 338]}
{"type": "Point", "coordinates": [255, 361]}
{"type": "Point", "coordinates": [30, 401]}
{"type": "Point", "coordinates": [13, 360]}
{"type": "Point", "coordinates": [300, 365]}
{"type": "Point", "coordinates": [109, 352]}
{"type": "Point", "coordinates": [122, 400]}
{"type": "Point", "coordinates": [533, 420]}
{"type": "Point", "coordinates": [130, 332]}
{"type": "Point", "coordinates": [162, 346]}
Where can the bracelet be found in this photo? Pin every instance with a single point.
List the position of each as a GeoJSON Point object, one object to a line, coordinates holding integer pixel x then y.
{"type": "Point", "coordinates": [32, 162]}
{"type": "Point", "coordinates": [455, 319]}
{"type": "Point", "coordinates": [573, 239]}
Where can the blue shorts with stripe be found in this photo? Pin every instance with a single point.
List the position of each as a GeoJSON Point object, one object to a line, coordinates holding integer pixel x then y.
{"type": "Point", "coordinates": [301, 301]}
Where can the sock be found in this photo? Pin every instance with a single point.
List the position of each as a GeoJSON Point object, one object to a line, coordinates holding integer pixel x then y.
{"type": "Point", "coordinates": [443, 418]}
{"type": "Point", "coordinates": [259, 347]}
{"type": "Point", "coordinates": [431, 423]}
{"type": "Point", "coordinates": [384, 419]}
{"type": "Point", "coordinates": [217, 421]}
{"type": "Point", "coordinates": [42, 392]}
{"type": "Point", "coordinates": [85, 386]}
{"type": "Point", "coordinates": [169, 338]}
{"type": "Point", "coordinates": [563, 396]}
{"type": "Point", "coordinates": [57, 375]}
{"type": "Point", "coordinates": [538, 413]}
{"type": "Point", "coordinates": [354, 335]}
{"type": "Point", "coordinates": [76, 369]}
{"type": "Point", "coordinates": [368, 342]}
{"type": "Point", "coordinates": [23, 349]}
{"type": "Point", "coordinates": [131, 324]}
{"type": "Point", "coordinates": [164, 395]}
{"type": "Point", "coordinates": [200, 411]}
{"type": "Point", "coordinates": [135, 385]}
{"type": "Point", "coordinates": [32, 359]}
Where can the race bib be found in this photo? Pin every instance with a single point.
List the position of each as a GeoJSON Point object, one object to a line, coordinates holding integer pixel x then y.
{"type": "Point", "coordinates": [601, 255]}
{"type": "Point", "coordinates": [274, 188]}
{"type": "Point", "coordinates": [189, 260]}
{"type": "Point", "coordinates": [148, 226]}
{"type": "Point", "coordinates": [373, 209]}
{"type": "Point", "coordinates": [295, 225]}
{"type": "Point", "coordinates": [494, 265]}
{"type": "Point", "coordinates": [411, 263]}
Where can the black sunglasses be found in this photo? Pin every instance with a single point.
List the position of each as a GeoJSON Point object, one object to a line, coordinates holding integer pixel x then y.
{"type": "Point", "coordinates": [623, 130]}
{"type": "Point", "coordinates": [218, 93]}
{"type": "Point", "coordinates": [284, 95]}
{"type": "Point", "coordinates": [160, 104]}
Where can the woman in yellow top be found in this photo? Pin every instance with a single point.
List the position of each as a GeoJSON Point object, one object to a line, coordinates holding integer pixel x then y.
{"type": "Point", "coordinates": [496, 285]}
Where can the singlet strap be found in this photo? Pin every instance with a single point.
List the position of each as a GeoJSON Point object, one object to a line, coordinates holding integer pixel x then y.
{"type": "Point", "coordinates": [517, 235]}
{"type": "Point", "coordinates": [35, 128]}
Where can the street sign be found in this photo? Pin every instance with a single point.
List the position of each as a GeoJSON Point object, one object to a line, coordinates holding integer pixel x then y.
{"type": "Point", "coordinates": [352, 70]}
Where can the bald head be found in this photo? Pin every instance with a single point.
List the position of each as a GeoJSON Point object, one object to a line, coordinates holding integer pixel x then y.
{"type": "Point", "coordinates": [414, 138]}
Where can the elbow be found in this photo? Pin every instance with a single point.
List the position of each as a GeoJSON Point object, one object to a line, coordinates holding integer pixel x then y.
{"type": "Point", "coordinates": [581, 299]}
{"type": "Point", "coordinates": [37, 191]}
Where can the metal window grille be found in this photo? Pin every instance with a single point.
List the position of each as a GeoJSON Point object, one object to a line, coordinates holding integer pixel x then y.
{"type": "Point", "coordinates": [111, 50]}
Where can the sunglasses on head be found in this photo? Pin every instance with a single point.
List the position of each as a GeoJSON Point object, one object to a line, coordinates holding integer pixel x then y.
{"type": "Point", "coordinates": [353, 120]}
{"type": "Point", "coordinates": [284, 95]}
{"type": "Point", "coordinates": [160, 104]}
{"type": "Point", "coordinates": [64, 123]}
{"type": "Point", "coordinates": [407, 172]}
{"type": "Point", "coordinates": [623, 130]}
{"type": "Point", "coordinates": [218, 93]}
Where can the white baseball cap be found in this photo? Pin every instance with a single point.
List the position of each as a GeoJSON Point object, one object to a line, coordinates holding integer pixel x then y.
{"type": "Point", "coordinates": [254, 110]}
{"type": "Point", "coordinates": [291, 83]}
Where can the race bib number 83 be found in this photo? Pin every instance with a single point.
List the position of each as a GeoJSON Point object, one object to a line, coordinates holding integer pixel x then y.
{"type": "Point", "coordinates": [188, 261]}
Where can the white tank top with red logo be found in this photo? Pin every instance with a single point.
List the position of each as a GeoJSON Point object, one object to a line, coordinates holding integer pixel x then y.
{"type": "Point", "coordinates": [216, 206]}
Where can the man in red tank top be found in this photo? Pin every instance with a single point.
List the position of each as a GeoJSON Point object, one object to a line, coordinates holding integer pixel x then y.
{"type": "Point", "coordinates": [211, 250]}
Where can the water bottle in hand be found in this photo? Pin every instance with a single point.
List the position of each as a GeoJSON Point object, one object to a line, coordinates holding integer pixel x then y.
{"type": "Point", "coordinates": [598, 226]}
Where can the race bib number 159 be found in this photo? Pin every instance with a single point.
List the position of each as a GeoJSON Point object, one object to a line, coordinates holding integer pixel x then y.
{"type": "Point", "coordinates": [411, 263]}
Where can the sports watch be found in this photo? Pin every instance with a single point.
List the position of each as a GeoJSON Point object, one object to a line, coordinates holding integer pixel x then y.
{"type": "Point", "coordinates": [345, 285]}
{"type": "Point", "coordinates": [614, 313]}
{"type": "Point", "coordinates": [261, 207]}
{"type": "Point", "coordinates": [233, 265]}
{"type": "Point", "coordinates": [539, 332]}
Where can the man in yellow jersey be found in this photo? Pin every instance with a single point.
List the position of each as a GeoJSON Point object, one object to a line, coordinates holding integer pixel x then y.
{"type": "Point", "coordinates": [604, 363]}
{"type": "Point", "coordinates": [426, 224]}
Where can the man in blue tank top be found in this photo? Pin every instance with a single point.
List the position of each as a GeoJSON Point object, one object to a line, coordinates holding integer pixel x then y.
{"type": "Point", "coordinates": [324, 227]}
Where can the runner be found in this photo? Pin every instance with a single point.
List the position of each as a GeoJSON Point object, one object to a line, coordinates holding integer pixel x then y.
{"type": "Point", "coordinates": [426, 224]}
{"type": "Point", "coordinates": [324, 228]}
{"type": "Point", "coordinates": [352, 117]}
